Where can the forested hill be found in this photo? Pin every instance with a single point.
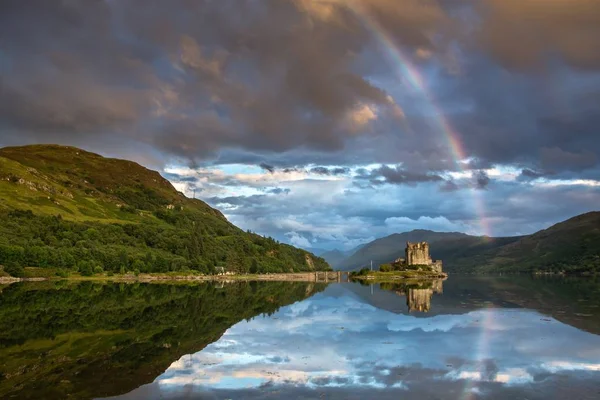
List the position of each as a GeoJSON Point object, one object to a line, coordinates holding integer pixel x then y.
{"type": "Point", "coordinates": [63, 207]}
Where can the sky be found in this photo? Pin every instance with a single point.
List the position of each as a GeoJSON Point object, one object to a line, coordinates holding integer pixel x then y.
{"type": "Point", "coordinates": [339, 345]}
{"type": "Point", "coordinates": [324, 123]}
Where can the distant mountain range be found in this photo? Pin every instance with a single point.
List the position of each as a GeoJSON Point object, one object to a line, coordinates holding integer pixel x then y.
{"type": "Point", "coordinates": [571, 246]}
{"type": "Point", "coordinates": [334, 257]}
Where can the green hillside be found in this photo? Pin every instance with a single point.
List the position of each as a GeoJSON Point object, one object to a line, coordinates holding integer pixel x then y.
{"type": "Point", "coordinates": [572, 246]}
{"type": "Point", "coordinates": [67, 208]}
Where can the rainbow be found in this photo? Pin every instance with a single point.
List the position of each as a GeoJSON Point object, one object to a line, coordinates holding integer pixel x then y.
{"type": "Point", "coordinates": [481, 352]}
{"type": "Point", "coordinates": [415, 79]}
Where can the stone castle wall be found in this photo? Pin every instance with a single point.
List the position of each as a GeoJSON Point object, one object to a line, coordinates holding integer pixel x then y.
{"type": "Point", "coordinates": [417, 254]}
{"type": "Point", "coordinates": [436, 266]}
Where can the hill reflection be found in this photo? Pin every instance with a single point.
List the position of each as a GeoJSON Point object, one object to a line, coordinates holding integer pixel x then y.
{"type": "Point", "coordinates": [509, 337]}
{"type": "Point", "coordinates": [60, 339]}
{"type": "Point", "coordinates": [338, 345]}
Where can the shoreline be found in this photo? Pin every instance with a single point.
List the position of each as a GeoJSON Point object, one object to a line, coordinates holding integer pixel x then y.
{"type": "Point", "coordinates": [398, 276]}
{"type": "Point", "coordinates": [319, 276]}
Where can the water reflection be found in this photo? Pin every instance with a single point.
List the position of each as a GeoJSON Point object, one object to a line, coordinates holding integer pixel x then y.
{"type": "Point", "coordinates": [337, 344]}
{"type": "Point", "coordinates": [418, 293]}
{"type": "Point", "coordinates": [468, 338]}
{"type": "Point", "coordinates": [62, 339]}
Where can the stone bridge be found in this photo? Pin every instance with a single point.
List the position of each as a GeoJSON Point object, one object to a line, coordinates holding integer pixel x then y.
{"type": "Point", "coordinates": [331, 276]}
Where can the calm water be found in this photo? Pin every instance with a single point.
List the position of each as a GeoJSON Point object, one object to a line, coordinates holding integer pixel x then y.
{"type": "Point", "coordinates": [464, 338]}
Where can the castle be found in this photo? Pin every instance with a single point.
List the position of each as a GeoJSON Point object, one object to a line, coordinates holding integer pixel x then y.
{"type": "Point", "coordinates": [418, 254]}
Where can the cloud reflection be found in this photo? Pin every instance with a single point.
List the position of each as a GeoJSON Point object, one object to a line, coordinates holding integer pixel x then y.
{"type": "Point", "coordinates": [339, 342]}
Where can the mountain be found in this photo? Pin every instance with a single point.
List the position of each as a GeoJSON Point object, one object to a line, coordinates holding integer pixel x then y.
{"type": "Point", "coordinates": [571, 246]}
{"type": "Point", "coordinates": [65, 207]}
{"type": "Point", "coordinates": [334, 257]}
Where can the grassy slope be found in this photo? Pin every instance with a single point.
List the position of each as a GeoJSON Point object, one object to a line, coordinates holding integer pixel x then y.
{"type": "Point", "coordinates": [81, 185]}
{"type": "Point", "coordinates": [84, 187]}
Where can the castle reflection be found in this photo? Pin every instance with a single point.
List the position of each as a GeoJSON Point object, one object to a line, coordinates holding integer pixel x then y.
{"type": "Point", "coordinates": [418, 293]}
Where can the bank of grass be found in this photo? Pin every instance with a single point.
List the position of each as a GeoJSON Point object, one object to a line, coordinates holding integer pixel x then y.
{"type": "Point", "coordinates": [379, 276]}
{"type": "Point", "coordinates": [33, 273]}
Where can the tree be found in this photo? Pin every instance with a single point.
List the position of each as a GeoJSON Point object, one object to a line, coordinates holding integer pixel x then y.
{"type": "Point", "coordinates": [86, 268]}
{"type": "Point", "coordinates": [14, 269]}
{"type": "Point", "coordinates": [254, 267]}
{"type": "Point", "coordinates": [139, 265]}
{"type": "Point", "coordinates": [386, 268]}
{"type": "Point", "coordinates": [123, 260]}
{"type": "Point", "coordinates": [161, 264]}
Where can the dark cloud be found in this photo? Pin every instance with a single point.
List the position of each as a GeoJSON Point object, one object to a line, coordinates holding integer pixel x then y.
{"type": "Point", "coordinates": [110, 66]}
{"type": "Point", "coordinates": [481, 179]}
{"type": "Point", "coordinates": [330, 171]}
{"type": "Point", "coordinates": [339, 171]}
{"type": "Point", "coordinates": [193, 80]}
{"type": "Point", "coordinates": [267, 167]}
{"type": "Point", "coordinates": [398, 175]}
{"type": "Point", "coordinates": [527, 34]}
{"type": "Point", "coordinates": [528, 174]}
{"type": "Point", "coordinates": [557, 159]}
{"type": "Point", "coordinates": [279, 191]}
{"type": "Point", "coordinates": [320, 170]}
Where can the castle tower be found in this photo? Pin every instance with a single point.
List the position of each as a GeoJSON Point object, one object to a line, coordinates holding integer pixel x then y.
{"type": "Point", "coordinates": [418, 253]}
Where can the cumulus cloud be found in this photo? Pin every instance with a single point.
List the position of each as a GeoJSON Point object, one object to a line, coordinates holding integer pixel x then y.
{"type": "Point", "coordinates": [298, 240]}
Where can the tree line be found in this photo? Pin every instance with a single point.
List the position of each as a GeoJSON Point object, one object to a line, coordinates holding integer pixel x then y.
{"type": "Point", "coordinates": [180, 241]}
